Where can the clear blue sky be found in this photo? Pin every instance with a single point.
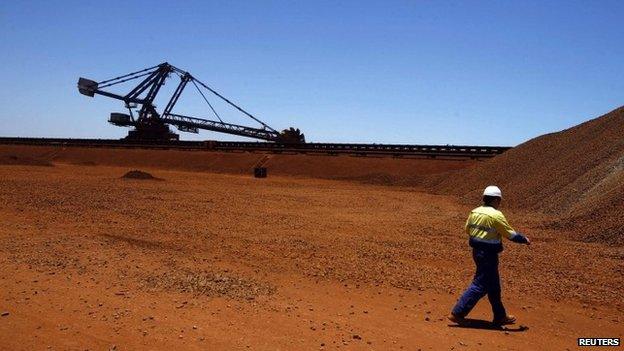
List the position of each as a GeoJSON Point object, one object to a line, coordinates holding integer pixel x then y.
{"type": "Point", "coordinates": [441, 72]}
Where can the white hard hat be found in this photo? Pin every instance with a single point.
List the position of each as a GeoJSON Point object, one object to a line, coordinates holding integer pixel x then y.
{"type": "Point", "coordinates": [492, 190]}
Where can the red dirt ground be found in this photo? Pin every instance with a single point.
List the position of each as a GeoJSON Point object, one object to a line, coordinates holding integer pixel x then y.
{"type": "Point", "coordinates": [382, 170]}
{"type": "Point", "coordinates": [203, 260]}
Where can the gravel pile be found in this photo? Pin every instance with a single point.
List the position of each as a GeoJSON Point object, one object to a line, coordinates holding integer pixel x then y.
{"type": "Point", "coordinates": [576, 174]}
{"type": "Point", "coordinates": [136, 174]}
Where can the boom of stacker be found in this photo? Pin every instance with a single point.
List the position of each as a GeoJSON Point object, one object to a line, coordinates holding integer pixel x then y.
{"type": "Point", "coordinates": [152, 125]}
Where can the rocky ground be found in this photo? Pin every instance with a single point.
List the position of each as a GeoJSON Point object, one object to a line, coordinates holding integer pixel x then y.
{"type": "Point", "coordinates": [95, 261]}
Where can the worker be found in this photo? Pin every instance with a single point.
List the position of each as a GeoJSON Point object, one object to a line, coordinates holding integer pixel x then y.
{"type": "Point", "coordinates": [486, 226]}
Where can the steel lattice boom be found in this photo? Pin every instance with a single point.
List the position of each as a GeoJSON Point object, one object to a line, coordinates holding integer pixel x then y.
{"type": "Point", "coordinates": [152, 125]}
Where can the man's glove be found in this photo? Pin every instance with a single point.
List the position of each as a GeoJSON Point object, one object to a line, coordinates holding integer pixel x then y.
{"type": "Point", "coordinates": [520, 239]}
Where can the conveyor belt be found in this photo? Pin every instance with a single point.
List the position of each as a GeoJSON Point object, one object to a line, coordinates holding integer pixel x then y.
{"type": "Point", "coordinates": [367, 150]}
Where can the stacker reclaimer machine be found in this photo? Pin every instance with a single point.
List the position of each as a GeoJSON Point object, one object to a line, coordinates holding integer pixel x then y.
{"type": "Point", "coordinates": [149, 124]}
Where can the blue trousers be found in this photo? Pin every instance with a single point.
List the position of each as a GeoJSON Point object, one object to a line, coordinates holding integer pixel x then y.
{"type": "Point", "coordinates": [486, 281]}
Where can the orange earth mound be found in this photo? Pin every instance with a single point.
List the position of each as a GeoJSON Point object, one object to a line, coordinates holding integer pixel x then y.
{"type": "Point", "coordinates": [136, 174]}
{"type": "Point", "coordinates": [576, 176]}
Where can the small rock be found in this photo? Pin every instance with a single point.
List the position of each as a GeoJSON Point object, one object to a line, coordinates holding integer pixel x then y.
{"type": "Point", "coordinates": [4, 314]}
{"type": "Point", "coordinates": [427, 318]}
{"type": "Point", "coordinates": [357, 337]}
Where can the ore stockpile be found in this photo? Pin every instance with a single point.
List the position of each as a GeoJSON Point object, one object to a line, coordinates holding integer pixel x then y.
{"type": "Point", "coordinates": [575, 176]}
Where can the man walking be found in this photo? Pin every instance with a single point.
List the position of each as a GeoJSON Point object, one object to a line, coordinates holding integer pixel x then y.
{"type": "Point", "coordinates": [486, 226]}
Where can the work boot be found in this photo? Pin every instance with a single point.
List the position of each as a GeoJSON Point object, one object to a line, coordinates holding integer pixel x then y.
{"type": "Point", "coordinates": [508, 319]}
{"type": "Point", "coordinates": [456, 318]}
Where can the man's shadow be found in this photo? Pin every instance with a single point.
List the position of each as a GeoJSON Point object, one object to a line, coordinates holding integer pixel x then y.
{"type": "Point", "coordinates": [471, 323]}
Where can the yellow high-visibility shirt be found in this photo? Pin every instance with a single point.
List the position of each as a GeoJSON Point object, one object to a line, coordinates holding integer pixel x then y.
{"type": "Point", "coordinates": [489, 225]}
